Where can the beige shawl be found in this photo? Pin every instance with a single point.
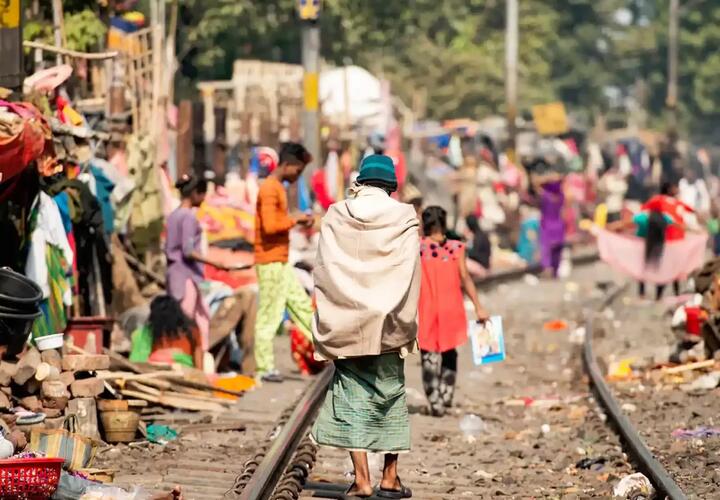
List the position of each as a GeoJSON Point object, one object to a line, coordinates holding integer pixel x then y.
{"type": "Point", "coordinates": [367, 277]}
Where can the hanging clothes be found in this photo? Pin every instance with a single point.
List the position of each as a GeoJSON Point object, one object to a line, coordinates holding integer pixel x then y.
{"type": "Point", "coordinates": [24, 136]}
{"type": "Point", "coordinates": [333, 178]}
{"type": "Point", "coordinates": [62, 201]}
{"type": "Point", "coordinates": [120, 195]}
{"type": "Point", "coordinates": [54, 318]}
{"type": "Point", "coordinates": [146, 217]}
{"type": "Point", "coordinates": [103, 191]}
{"type": "Point", "coordinates": [48, 230]}
{"type": "Point", "coordinates": [92, 244]}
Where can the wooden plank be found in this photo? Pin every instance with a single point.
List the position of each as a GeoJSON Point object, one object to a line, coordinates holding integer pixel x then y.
{"type": "Point", "coordinates": [698, 365]}
{"type": "Point", "coordinates": [144, 388]}
{"type": "Point", "coordinates": [195, 397]}
{"type": "Point", "coordinates": [175, 401]}
{"type": "Point", "coordinates": [201, 386]}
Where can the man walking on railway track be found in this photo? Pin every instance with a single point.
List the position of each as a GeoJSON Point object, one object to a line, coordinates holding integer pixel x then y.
{"type": "Point", "coordinates": [367, 284]}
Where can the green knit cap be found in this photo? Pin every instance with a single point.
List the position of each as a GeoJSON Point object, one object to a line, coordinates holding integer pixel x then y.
{"type": "Point", "coordinates": [378, 168]}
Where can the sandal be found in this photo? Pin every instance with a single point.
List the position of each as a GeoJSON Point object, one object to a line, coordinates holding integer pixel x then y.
{"type": "Point", "coordinates": [348, 496]}
{"type": "Point", "coordinates": [403, 492]}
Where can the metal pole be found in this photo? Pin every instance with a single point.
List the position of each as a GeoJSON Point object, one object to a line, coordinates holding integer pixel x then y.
{"type": "Point", "coordinates": [511, 76]}
{"type": "Point", "coordinates": [311, 114]}
{"type": "Point", "coordinates": [672, 88]}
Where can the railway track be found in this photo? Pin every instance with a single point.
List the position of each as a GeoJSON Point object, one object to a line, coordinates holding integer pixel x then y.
{"type": "Point", "coordinates": [641, 454]}
{"type": "Point", "coordinates": [289, 466]}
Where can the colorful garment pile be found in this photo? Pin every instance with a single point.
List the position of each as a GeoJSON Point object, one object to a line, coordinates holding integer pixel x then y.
{"type": "Point", "coordinates": [224, 219]}
{"type": "Point", "coordinates": [24, 136]}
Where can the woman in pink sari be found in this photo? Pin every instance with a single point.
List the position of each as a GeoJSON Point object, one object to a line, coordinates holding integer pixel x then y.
{"type": "Point", "coordinates": [649, 255]}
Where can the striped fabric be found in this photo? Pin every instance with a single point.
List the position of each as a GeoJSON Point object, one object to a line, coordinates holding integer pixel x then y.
{"type": "Point", "coordinates": [78, 451]}
{"type": "Point", "coordinates": [365, 407]}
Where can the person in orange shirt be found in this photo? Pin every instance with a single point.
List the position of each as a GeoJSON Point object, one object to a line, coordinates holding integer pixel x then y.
{"type": "Point", "coordinates": [279, 287]}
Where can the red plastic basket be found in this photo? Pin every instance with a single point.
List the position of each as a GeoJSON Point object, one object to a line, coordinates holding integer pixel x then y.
{"type": "Point", "coordinates": [29, 478]}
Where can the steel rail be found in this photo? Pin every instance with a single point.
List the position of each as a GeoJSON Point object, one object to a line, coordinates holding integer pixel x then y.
{"type": "Point", "coordinates": [516, 273]}
{"type": "Point", "coordinates": [270, 471]}
{"type": "Point", "coordinates": [268, 474]}
{"type": "Point", "coordinates": [640, 452]}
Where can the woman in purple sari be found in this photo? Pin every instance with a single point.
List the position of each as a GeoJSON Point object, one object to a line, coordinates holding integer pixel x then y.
{"type": "Point", "coordinates": [184, 255]}
{"type": "Point", "coordinates": [552, 226]}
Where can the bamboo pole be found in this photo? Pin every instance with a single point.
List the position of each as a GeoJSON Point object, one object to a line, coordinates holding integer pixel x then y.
{"type": "Point", "coordinates": [98, 56]}
{"type": "Point", "coordinates": [157, 35]}
{"type": "Point", "coordinates": [58, 28]}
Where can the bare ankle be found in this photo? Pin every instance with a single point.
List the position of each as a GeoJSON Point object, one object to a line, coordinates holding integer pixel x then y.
{"type": "Point", "coordinates": [390, 483]}
{"type": "Point", "coordinates": [361, 488]}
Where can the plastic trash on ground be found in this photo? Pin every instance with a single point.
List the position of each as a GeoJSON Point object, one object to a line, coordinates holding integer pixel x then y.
{"type": "Point", "coordinates": [556, 325]}
{"type": "Point", "coordinates": [701, 432]}
{"type": "Point", "coordinates": [634, 486]}
{"type": "Point", "coordinates": [704, 382]}
{"type": "Point", "coordinates": [577, 336]}
{"type": "Point", "coordinates": [472, 425]}
{"type": "Point", "coordinates": [161, 434]}
{"type": "Point", "coordinates": [621, 370]}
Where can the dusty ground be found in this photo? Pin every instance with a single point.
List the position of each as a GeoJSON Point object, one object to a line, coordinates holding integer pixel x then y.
{"type": "Point", "coordinates": [205, 463]}
{"type": "Point", "coordinates": [540, 419]}
{"type": "Point", "coordinates": [527, 451]}
{"type": "Point", "coordinates": [659, 405]}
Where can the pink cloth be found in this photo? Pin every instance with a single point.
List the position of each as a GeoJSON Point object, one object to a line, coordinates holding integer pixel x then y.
{"type": "Point", "coordinates": [47, 80]}
{"type": "Point", "coordinates": [626, 255]}
{"type": "Point", "coordinates": [169, 201]}
{"type": "Point", "coordinates": [194, 307]}
{"type": "Point", "coordinates": [119, 161]}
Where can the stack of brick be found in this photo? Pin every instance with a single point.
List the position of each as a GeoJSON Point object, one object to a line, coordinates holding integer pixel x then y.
{"type": "Point", "coordinates": [50, 383]}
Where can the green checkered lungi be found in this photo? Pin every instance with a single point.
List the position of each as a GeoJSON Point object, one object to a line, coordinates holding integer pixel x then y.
{"type": "Point", "coordinates": [365, 407]}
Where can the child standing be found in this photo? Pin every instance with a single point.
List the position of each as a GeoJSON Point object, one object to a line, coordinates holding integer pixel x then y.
{"type": "Point", "coordinates": [442, 318]}
{"type": "Point", "coordinates": [278, 285]}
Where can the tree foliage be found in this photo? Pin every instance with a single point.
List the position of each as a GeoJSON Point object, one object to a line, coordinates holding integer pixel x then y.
{"type": "Point", "coordinates": [84, 30]}
{"type": "Point", "coordinates": [594, 55]}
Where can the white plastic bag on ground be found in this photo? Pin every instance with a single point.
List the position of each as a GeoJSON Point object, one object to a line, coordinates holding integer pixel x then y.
{"type": "Point", "coordinates": [634, 486]}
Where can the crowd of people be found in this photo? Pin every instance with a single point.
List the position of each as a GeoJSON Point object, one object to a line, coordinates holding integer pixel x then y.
{"type": "Point", "coordinates": [361, 269]}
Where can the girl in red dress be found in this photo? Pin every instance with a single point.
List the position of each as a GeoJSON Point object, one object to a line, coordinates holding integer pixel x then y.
{"type": "Point", "coordinates": [442, 318]}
